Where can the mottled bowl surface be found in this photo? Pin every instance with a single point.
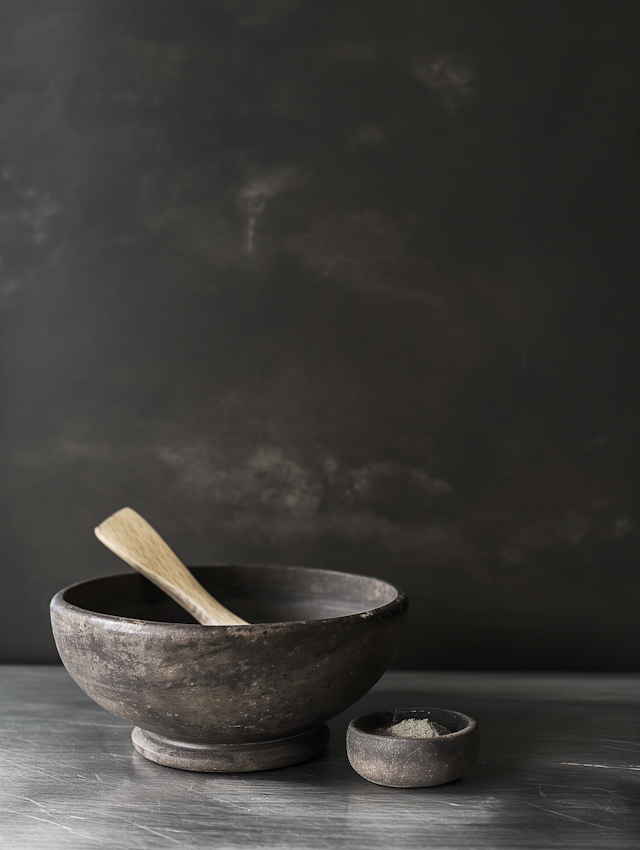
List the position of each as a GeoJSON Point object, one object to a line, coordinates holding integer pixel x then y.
{"type": "Point", "coordinates": [318, 641]}
{"type": "Point", "coordinates": [413, 762]}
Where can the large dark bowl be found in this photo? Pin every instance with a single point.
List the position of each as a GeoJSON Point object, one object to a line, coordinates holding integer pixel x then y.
{"type": "Point", "coordinates": [221, 698]}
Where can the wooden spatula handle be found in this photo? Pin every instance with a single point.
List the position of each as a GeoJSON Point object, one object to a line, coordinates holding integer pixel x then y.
{"type": "Point", "coordinates": [132, 538]}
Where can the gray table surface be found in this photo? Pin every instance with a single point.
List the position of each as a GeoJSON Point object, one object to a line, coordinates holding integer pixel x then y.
{"type": "Point", "coordinates": [559, 766]}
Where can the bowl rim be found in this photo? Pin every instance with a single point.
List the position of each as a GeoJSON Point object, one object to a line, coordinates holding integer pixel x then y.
{"type": "Point", "coordinates": [59, 603]}
{"type": "Point", "coordinates": [370, 737]}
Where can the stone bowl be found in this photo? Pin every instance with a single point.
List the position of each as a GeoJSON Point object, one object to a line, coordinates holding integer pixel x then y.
{"type": "Point", "coordinates": [412, 762]}
{"type": "Point", "coordinates": [230, 698]}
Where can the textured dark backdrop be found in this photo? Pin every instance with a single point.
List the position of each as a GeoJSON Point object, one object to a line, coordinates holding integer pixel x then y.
{"type": "Point", "coordinates": [346, 284]}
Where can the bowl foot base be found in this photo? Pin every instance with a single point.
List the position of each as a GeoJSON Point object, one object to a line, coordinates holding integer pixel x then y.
{"type": "Point", "coordinates": [230, 758]}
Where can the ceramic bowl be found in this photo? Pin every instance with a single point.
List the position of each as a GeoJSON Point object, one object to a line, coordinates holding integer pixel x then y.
{"type": "Point", "coordinates": [412, 762]}
{"type": "Point", "coordinates": [230, 698]}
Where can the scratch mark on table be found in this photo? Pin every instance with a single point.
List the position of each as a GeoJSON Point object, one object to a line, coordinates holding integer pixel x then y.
{"type": "Point", "coordinates": [233, 805]}
{"type": "Point", "coordinates": [616, 741]}
{"type": "Point", "coordinates": [35, 803]}
{"type": "Point", "coordinates": [572, 817]}
{"type": "Point", "coordinates": [603, 766]}
{"type": "Point", "coordinates": [55, 823]}
{"type": "Point", "coordinates": [619, 749]}
{"type": "Point", "coordinates": [152, 831]}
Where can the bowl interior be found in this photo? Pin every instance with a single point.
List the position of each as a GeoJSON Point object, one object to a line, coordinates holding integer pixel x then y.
{"type": "Point", "coordinates": [452, 720]}
{"type": "Point", "coordinates": [258, 594]}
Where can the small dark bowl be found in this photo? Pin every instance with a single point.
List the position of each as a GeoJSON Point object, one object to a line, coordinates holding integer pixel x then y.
{"type": "Point", "coordinates": [413, 762]}
{"type": "Point", "coordinates": [227, 698]}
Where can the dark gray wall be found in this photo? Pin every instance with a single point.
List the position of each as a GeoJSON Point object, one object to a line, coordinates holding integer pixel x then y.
{"type": "Point", "coordinates": [346, 284]}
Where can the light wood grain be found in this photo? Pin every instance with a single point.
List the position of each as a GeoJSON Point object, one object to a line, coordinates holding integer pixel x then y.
{"type": "Point", "coordinates": [132, 538]}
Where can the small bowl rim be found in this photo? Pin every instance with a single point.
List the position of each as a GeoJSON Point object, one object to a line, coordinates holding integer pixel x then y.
{"type": "Point", "coordinates": [406, 741]}
{"type": "Point", "coordinates": [58, 602]}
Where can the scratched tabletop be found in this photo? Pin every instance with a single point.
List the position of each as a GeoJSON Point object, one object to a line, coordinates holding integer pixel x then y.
{"type": "Point", "coordinates": [559, 766]}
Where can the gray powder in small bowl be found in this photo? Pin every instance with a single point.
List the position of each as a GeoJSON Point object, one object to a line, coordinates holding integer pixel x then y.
{"type": "Point", "coordinates": [414, 728]}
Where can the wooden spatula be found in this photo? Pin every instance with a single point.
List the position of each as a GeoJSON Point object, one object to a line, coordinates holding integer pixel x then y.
{"type": "Point", "coordinates": [132, 538]}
